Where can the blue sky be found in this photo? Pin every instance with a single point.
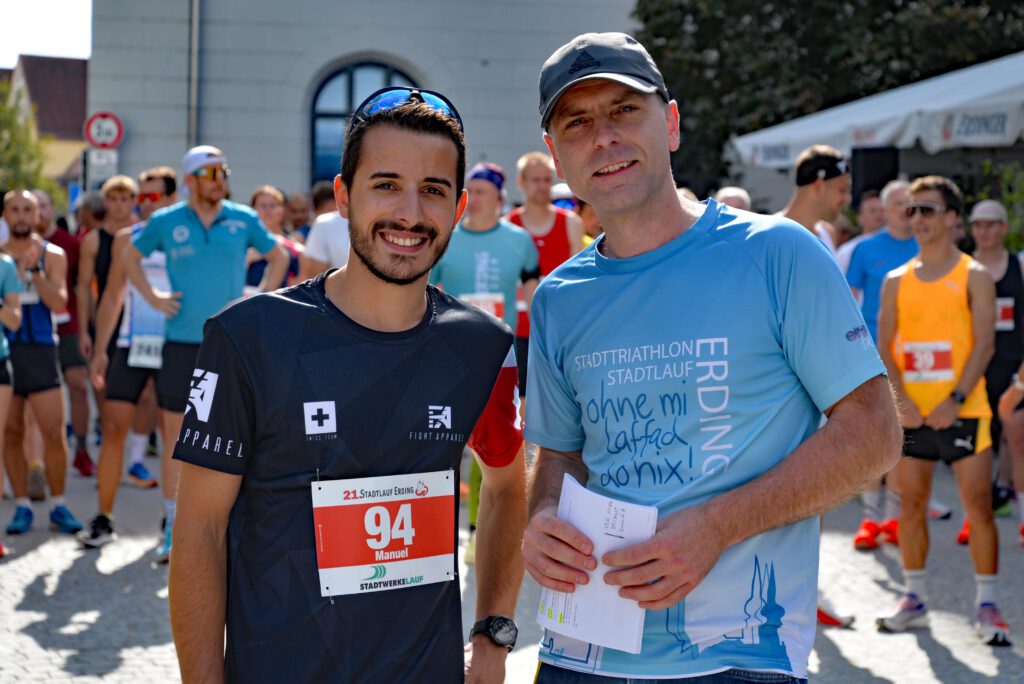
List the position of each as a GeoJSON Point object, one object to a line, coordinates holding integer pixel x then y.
{"type": "Point", "coordinates": [58, 28]}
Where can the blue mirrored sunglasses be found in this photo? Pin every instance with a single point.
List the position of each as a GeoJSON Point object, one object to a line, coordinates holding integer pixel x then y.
{"type": "Point", "coordinates": [387, 98]}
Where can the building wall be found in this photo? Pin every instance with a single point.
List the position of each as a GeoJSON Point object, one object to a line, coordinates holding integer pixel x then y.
{"type": "Point", "coordinates": [261, 62]}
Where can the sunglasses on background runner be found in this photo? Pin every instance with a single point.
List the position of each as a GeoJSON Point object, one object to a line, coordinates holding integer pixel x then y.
{"type": "Point", "coordinates": [389, 98]}
{"type": "Point", "coordinates": [151, 196]}
{"type": "Point", "coordinates": [926, 208]}
{"type": "Point", "coordinates": [212, 172]}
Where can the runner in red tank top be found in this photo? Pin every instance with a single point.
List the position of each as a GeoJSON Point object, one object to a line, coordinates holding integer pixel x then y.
{"type": "Point", "coordinates": [557, 233]}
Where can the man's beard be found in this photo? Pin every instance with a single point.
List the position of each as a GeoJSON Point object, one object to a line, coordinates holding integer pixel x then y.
{"type": "Point", "coordinates": [362, 245]}
{"type": "Point", "coordinates": [20, 230]}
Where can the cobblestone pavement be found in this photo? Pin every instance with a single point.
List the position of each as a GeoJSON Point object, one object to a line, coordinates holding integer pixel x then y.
{"type": "Point", "coordinates": [71, 615]}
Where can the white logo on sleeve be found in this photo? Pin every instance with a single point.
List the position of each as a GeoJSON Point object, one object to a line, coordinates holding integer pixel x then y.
{"type": "Point", "coordinates": [321, 417]}
{"type": "Point", "coordinates": [200, 395]}
{"type": "Point", "coordinates": [180, 234]}
{"type": "Point", "coordinates": [439, 417]}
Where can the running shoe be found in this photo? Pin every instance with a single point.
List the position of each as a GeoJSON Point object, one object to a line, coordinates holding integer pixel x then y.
{"type": "Point", "coordinates": [139, 476]}
{"type": "Point", "coordinates": [1001, 498]}
{"type": "Point", "coordinates": [22, 520]}
{"type": "Point", "coordinates": [469, 557]}
{"type": "Point", "coordinates": [890, 532]}
{"type": "Point", "coordinates": [83, 464]}
{"type": "Point", "coordinates": [163, 551]}
{"type": "Point", "coordinates": [100, 533]}
{"type": "Point", "coordinates": [3, 551]}
{"type": "Point", "coordinates": [938, 510]}
{"type": "Point", "coordinates": [829, 616]}
{"type": "Point", "coordinates": [37, 482]}
{"type": "Point", "coordinates": [964, 535]}
{"type": "Point", "coordinates": [62, 520]}
{"type": "Point", "coordinates": [866, 538]}
{"type": "Point", "coordinates": [1021, 540]}
{"type": "Point", "coordinates": [911, 613]}
{"type": "Point", "coordinates": [991, 627]}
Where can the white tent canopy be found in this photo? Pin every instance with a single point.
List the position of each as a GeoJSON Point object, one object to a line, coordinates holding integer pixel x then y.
{"type": "Point", "coordinates": [979, 106]}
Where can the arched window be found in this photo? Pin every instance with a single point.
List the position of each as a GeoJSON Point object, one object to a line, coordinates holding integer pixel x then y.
{"type": "Point", "coordinates": [335, 98]}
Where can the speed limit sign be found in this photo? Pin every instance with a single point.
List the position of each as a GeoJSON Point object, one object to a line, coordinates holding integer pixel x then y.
{"type": "Point", "coordinates": [103, 130]}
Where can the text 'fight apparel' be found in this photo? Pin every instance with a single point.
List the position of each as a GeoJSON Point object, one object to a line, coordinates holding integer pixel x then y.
{"type": "Point", "coordinates": [348, 402]}
{"type": "Point", "coordinates": [685, 372]}
{"type": "Point", "coordinates": [489, 262]}
{"type": "Point", "coordinates": [871, 262]}
{"type": "Point", "coordinates": [207, 265]}
{"type": "Point", "coordinates": [935, 336]}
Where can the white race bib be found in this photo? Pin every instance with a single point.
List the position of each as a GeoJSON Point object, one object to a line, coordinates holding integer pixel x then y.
{"type": "Point", "coordinates": [146, 351]}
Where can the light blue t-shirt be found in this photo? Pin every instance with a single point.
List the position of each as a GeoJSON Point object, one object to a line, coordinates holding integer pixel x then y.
{"type": "Point", "coordinates": [487, 262]}
{"type": "Point", "coordinates": [9, 282]}
{"type": "Point", "coordinates": [686, 372]}
{"type": "Point", "coordinates": [207, 265]}
{"type": "Point", "coordinates": [871, 261]}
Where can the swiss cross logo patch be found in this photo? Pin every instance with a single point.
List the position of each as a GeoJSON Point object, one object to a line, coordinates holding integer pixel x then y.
{"type": "Point", "coordinates": [320, 417]}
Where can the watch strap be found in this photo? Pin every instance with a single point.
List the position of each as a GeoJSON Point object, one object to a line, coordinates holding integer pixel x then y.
{"type": "Point", "coordinates": [958, 397]}
{"type": "Point", "coordinates": [483, 626]}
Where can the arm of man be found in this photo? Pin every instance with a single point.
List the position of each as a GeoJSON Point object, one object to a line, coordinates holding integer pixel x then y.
{"type": "Point", "coordinates": [888, 328]}
{"type": "Point", "coordinates": [277, 266]}
{"type": "Point", "coordinates": [197, 584]}
{"type": "Point", "coordinates": [314, 261]}
{"type": "Point", "coordinates": [981, 297]}
{"type": "Point", "coordinates": [10, 312]}
{"type": "Point", "coordinates": [574, 224]}
{"type": "Point", "coordinates": [165, 302]}
{"type": "Point", "coordinates": [109, 308]}
{"type": "Point", "coordinates": [552, 548]}
{"type": "Point", "coordinates": [825, 470]}
{"type": "Point", "coordinates": [83, 289]}
{"type": "Point", "coordinates": [52, 280]}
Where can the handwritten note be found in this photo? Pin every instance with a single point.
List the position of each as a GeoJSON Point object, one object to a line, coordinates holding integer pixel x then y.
{"type": "Point", "coordinates": [595, 612]}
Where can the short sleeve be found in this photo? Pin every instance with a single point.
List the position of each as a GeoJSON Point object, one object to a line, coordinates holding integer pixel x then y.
{"type": "Point", "coordinates": [316, 243]}
{"type": "Point", "coordinates": [823, 334]}
{"type": "Point", "coordinates": [498, 433]}
{"type": "Point", "coordinates": [150, 239]}
{"type": "Point", "coordinates": [553, 416]}
{"type": "Point", "coordinates": [217, 430]}
{"type": "Point", "coordinates": [11, 282]}
{"type": "Point", "coordinates": [259, 237]}
{"type": "Point", "coordinates": [856, 274]}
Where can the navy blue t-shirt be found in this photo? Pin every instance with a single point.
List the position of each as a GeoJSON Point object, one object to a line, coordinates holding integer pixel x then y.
{"type": "Point", "coordinates": [260, 362]}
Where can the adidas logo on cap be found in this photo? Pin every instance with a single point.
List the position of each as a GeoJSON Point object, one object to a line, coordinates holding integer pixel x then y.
{"type": "Point", "coordinates": [584, 61]}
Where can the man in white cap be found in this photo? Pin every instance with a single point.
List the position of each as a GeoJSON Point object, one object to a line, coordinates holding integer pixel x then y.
{"type": "Point", "coordinates": [989, 227]}
{"type": "Point", "coordinates": [653, 383]}
{"type": "Point", "coordinates": [205, 240]}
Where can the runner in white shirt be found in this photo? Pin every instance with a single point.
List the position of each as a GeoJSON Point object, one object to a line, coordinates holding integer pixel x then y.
{"type": "Point", "coordinates": [326, 246]}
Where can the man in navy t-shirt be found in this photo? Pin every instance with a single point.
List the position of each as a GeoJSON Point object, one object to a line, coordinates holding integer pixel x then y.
{"type": "Point", "coordinates": [319, 475]}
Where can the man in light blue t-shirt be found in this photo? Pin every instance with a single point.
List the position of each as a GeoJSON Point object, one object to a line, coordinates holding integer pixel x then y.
{"type": "Point", "coordinates": [684, 360]}
{"type": "Point", "coordinates": [487, 258]}
{"type": "Point", "coordinates": [205, 240]}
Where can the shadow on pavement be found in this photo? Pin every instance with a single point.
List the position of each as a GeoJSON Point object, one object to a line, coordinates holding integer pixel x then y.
{"type": "Point", "coordinates": [835, 667]}
{"type": "Point", "coordinates": [96, 645]}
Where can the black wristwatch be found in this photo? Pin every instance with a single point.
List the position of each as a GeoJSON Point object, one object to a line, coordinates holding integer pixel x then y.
{"type": "Point", "coordinates": [500, 629]}
{"type": "Point", "coordinates": [34, 269]}
{"type": "Point", "coordinates": [958, 397]}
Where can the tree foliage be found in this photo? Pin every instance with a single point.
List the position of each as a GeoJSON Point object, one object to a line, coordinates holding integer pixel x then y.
{"type": "Point", "coordinates": [21, 156]}
{"type": "Point", "coordinates": [737, 66]}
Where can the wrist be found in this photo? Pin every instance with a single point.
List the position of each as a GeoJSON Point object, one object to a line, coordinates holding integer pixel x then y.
{"type": "Point", "coordinates": [957, 397]}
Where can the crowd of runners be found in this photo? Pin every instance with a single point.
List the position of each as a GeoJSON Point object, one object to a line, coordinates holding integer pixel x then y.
{"type": "Point", "coordinates": [683, 354]}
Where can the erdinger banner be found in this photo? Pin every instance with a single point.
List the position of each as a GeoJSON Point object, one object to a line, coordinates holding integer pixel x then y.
{"type": "Point", "coordinates": [384, 533]}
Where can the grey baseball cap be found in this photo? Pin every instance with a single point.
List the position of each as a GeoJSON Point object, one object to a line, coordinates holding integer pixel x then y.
{"type": "Point", "coordinates": [597, 56]}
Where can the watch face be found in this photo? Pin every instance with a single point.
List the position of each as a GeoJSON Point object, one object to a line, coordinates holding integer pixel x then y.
{"type": "Point", "coordinates": [504, 630]}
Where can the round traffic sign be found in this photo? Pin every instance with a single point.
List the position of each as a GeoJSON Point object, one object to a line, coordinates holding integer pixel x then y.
{"type": "Point", "coordinates": [104, 130]}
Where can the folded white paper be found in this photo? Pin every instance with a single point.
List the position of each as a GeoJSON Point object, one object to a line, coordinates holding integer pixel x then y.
{"type": "Point", "coordinates": [595, 612]}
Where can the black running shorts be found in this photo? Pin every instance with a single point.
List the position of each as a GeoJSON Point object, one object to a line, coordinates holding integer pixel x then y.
{"type": "Point", "coordinates": [125, 383]}
{"type": "Point", "coordinates": [35, 368]}
{"type": "Point", "coordinates": [966, 437]}
{"type": "Point", "coordinates": [174, 379]}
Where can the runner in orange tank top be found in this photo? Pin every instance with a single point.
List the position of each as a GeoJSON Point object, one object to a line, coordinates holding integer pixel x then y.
{"type": "Point", "coordinates": [936, 334]}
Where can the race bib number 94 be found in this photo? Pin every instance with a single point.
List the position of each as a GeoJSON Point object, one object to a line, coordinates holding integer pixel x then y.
{"type": "Point", "coordinates": [384, 533]}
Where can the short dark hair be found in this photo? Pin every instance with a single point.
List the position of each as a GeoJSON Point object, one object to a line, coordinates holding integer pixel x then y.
{"type": "Point", "coordinates": [411, 116]}
{"type": "Point", "coordinates": [321, 194]}
{"type": "Point", "coordinates": [869, 194]}
{"type": "Point", "coordinates": [951, 195]}
{"type": "Point", "coordinates": [163, 173]}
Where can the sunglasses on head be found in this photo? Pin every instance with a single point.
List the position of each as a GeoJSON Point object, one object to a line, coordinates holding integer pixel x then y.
{"type": "Point", "coordinates": [151, 196]}
{"type": "Point", "coordinates": [212, 172]}
{"type": "Point", "coordinates": [926, 208]}
{"type": "Point", "coordinates": [389, 98]}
